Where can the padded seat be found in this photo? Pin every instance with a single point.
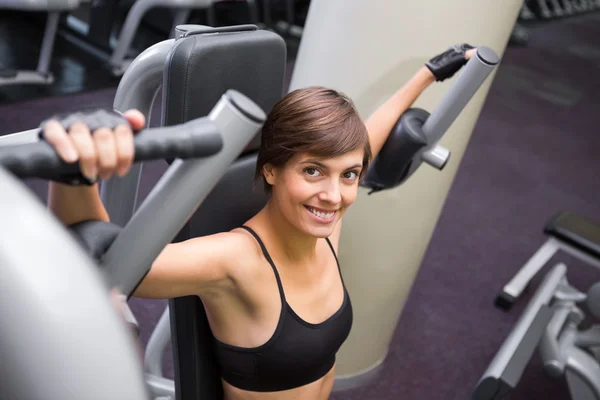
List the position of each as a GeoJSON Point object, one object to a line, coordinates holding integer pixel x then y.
{"type": "Point", "coordinates": [40, 5]}
{"type": "Point", "coordinates": [567, 231]}
{"type": "Point", "coordinates": [575, 230]}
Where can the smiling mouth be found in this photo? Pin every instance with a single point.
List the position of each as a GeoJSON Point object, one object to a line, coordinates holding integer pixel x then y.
{"type": "Point", "coordinates": [325, 215]}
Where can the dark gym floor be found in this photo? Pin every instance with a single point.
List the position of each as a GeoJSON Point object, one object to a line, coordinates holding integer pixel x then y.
{"type": "Point", "coordinates": [534, 151]}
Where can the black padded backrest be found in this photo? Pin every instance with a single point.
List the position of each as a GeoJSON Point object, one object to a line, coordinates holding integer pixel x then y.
{"type": "Point", "coordinates": [199, 70]}
{"type": "Point", "coordinates": [576, 230]}
{"type": "Point", "coordinates": [202, 67]}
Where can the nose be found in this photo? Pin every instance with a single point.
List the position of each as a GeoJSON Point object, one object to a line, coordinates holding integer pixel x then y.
{"type": "Point", "coordinates": [331, 193]}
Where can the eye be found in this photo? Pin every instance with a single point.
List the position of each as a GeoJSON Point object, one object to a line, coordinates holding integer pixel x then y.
{"type": "Point", "coordinates": [311, 171]}
{"type": "Point", "coordinates": [351, 175]}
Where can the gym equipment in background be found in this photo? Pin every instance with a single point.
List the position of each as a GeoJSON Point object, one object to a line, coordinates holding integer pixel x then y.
{"type": "Point", "coordinates": [566, 231]}
{"type": "Point", "coordinates": [553, 9]}
{"type": "Point", "coordinates": [552, 321]}
{"type": "Point", "coordinates": [42, 75]}
{"type": "Point", "coordinates": [533, 11]}
{"type": "Point", "coordinates": [96, 36]}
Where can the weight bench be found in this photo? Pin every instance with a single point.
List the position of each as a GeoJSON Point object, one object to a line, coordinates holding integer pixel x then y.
{"type": "Point", "coordinates": [567, 231]}
{"type": "Point", "coordinates": [41, 75]}
{"type": "Point", "coordinates": [550, 324]}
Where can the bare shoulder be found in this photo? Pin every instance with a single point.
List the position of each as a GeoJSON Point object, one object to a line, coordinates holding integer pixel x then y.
{"type": "Point", "coordinates": [228, 247]}
{"type": "Point", "coordinates": [238, 250]}
{"type": "Point", "coordinates": [202, 265]}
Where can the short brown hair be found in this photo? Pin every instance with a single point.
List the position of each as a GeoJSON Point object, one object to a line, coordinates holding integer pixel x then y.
{"type": "Point", "coordinates": [316, 120]}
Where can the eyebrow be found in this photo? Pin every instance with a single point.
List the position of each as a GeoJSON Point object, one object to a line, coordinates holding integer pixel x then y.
{"type": "Point", "coordinates": [320, 164]}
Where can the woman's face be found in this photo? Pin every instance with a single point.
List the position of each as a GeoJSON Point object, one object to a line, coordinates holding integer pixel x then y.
{"type": "Point", "coordinates": [313, 193]}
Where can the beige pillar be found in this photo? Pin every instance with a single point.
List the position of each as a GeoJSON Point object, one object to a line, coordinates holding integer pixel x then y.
{"type": "Point", "coordinates": [368, 49]}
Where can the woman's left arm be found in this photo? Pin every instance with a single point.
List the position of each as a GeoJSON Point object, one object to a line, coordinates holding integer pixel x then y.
{"type": "Point", "coordinates": [380, 123]}
{"type": "Point", "coordinates": [441, 67]}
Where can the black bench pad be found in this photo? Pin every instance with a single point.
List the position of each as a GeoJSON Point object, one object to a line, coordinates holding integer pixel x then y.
{"type": "Point", "coordinates": [576, 230]}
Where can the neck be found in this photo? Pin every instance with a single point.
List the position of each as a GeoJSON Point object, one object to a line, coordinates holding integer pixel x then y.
{"type": "Point", "coordinates": [295, 245]}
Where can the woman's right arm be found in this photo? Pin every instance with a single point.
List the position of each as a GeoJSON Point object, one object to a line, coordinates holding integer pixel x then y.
{"type": "Point", "coordinates": [194, 267]}
{"type": "Point", "coordinates": [199, 266]}
{"type": "Point", "coordinates": [73, 204]}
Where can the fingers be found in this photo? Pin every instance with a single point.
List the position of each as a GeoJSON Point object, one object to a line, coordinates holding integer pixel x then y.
{"type": "Point", "coordinates": [106, 150]}
{"type": "Point", "coordinates": [100, 154]}
{"type": "Point", "coordinates": [55, 134]}
{"type": "Point", "coordinates": [125, 149]}
{"type": "Point", "coordinates": [115, 150]}
{"type": "Point", "coordinates": [116, 299]}
{"type": "Point", "coordinates": [86, 149]}
{"type": "Point", "coordinates": [470, 53]}
{"type": "Point", "coordinates": [136, 119]}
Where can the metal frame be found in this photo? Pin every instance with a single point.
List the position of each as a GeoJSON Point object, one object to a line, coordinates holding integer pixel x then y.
{"type": "Point", "coordinates": [550, 324]}
{"type": "Point", "coordinates": [42, 75]}
{"type": "Point", "coordinates": [506, 368]}
{"type": "Point", "coordinates": [544, 9]}
{"type": "Point", "coordinates": [561, 348]}
{"type": "Point", "coordinates": [117, 50]}
{"type": "Point", "coordinates": [183, 186]}
{"type": "Point", "coordinates": [478, 68]}
{"type": "Point", "coordinates": [559, 8]}
{"type": "Point", "coordinates": [565, 351]}
{"type": "Point", "coordinates": [118, 61]}
{"type": "Point", "coordinates": [155, 349]}
{"type": "Point", "coordinates": [57, 290]}
{"type": "Point", "coordinates": [515, 287]}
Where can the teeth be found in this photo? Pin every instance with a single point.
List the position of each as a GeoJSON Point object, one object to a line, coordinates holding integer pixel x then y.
{"type": "Point", "coordinates": [321, 214]}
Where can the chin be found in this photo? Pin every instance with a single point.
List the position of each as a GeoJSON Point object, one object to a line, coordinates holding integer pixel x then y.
{"type": "Point", "coordinates": [319, 232]}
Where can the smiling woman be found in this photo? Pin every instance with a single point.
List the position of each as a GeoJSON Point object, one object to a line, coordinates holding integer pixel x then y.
{"type": "Point", "coordinates": [272, 288]}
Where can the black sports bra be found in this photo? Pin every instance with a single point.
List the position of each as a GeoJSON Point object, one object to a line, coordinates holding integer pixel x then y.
{"type": "Point", "coordinates": [297, 354]}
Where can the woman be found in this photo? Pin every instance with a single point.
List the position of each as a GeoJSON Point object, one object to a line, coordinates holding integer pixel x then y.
{"type": "Point", "coordinates": [272, 288]}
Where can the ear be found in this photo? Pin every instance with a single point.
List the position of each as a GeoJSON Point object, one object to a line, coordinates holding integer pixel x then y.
{"type": "Point", "coordinates": [269, 172]}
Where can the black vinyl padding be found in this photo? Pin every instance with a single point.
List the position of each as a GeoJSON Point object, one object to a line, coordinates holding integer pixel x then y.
{"type": "Point", "coordinates": [95, 236]}
{"type": "Point", "coordinates": [391, 167]}
{"type": "Point", "coordinates": [203, 67]}
{"type": "Point", "coordinates": [200, 69]}
{"type": "Point", "coordinates": [575, 230]}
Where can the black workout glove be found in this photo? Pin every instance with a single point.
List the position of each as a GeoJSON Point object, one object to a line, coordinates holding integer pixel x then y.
{"type": "Point", "coordinates": [445, 65]}
{"type": "Point", "coordinates": [94, 119]}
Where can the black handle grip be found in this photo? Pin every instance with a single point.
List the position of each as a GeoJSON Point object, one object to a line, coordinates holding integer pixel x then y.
{"type": "Point", "coordinates": [195, 139]}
